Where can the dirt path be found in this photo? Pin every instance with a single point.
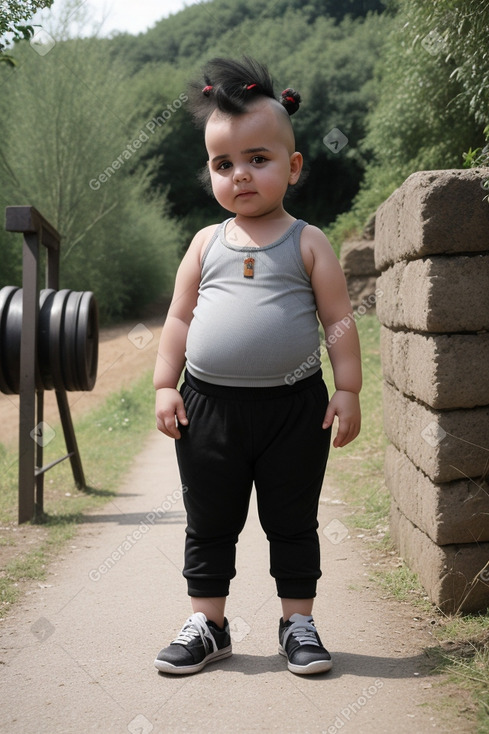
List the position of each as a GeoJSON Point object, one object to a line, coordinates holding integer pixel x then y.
{"type": "Point", "coordinates": [77, 653]}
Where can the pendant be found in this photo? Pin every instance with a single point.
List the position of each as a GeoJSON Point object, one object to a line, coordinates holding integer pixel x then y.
{"type": "Point", "coordinates": [249, 267]}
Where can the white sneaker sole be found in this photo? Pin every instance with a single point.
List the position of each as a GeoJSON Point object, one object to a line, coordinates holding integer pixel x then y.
{"type": "Point", "coordinates": [317, 666]}
{"type": "Point", "coordinates": [165, 667]}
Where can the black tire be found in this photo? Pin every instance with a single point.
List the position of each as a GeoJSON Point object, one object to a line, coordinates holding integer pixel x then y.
{"type": "Point", "coordinates": [6, 295]}
{"type": "Point", "coordinates": [44, 378]}
{"type": "Point", "coordinates": [12, 336]}
{"type": "Point", "coordinates": [56, 327]}
{"type": "Point", "coordinates": [87, 342]}
{"type": "Point", "coordinates": [68, 338]}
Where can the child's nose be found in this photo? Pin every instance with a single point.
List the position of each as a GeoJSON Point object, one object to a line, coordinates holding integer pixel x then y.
{"type": "Point", "coordinates": [241, 172]}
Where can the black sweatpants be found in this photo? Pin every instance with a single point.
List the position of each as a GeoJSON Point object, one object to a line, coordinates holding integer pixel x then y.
{"type": "Point", "coordinates": [236, 436]}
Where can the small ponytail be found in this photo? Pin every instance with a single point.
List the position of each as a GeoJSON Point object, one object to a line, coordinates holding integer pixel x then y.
{"type": "Point", "coordinates": [291, 100]}
{"type": "Point", "coordinates": [231, 85]}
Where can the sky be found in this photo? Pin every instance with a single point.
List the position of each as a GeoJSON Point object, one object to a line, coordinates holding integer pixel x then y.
{"type": "Point", "coordinates": [131, 16]}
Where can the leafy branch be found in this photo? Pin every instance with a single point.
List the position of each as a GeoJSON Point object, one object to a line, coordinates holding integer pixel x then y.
{"type": "Point", "coordinates": [13, 13]}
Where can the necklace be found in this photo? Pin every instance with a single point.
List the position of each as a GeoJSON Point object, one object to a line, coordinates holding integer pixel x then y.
{"type": "Point", "coordinates": [238, 236]}
{"type": "Point", "coordinates": [249, 267]}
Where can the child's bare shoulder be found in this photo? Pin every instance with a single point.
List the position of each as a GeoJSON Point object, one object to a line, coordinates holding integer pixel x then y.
{"type": "Point", "coordinates": [315, 247]}
{"type": "Point", "coordinates": [201, 240]}
{"type": "Point", "coordinates": [189, 274]}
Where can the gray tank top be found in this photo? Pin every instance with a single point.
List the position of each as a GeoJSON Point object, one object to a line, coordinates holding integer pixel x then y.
{"type": "Point", "coordinates": [255, 322]}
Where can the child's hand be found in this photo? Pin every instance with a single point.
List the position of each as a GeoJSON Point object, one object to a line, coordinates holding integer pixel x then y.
{"type": "Point", "coordinates": [169, 410]}
{"type": "Point", "coordinates": [346, 405]}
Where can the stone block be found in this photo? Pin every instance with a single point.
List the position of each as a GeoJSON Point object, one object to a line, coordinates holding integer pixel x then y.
{"type": "Point", "coordinates": [357, 261]}
{"type": "Point", "coordinates": [437, 294]}
{"type": "Point", "coordinates": [357, 258]}
{"type": "Point", "coordinates": [433, 212]}
{"type": "Point", "coordinates": [445, 371]}
{"type": "Point", "coordinates": [452, 575]}
{"type": "Point", "coordinates": [445, 445]}
{"type": "Point", "coordinates": [369, 229]}
{"type": "Point", "coordinates": [453, 512]}
{"type": "Point", "coordinates": [362, 291]}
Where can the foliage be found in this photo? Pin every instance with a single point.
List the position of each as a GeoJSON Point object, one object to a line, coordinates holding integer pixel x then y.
{"type": "Point", "coordinates": [463, 653]}
{"type": "Point", "coordinates": [433, 97]}
{"type": "Point", "coordinates": [189, 36]}
{"type": "Point", "coordinates": [91, 98]}
{"type": "Point", "coordinates": [479, 158]}
{"type": "Point", "coordinates": [407, 87]}
{"type": "Point", "coordinates": [64, 121]}
{"type": "Point", "coordinates": [12, 13]}
{"type": "Point", "coordinates": [334, 82]}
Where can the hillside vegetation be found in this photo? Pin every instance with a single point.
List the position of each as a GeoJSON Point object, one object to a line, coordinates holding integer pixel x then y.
{"type": "Point", "coordinates": [96, 135]}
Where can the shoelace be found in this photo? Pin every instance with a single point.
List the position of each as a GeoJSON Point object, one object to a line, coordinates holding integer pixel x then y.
{"type": "Point", "coordinates": [305, 634]}
{"type": "Point", "coordinates": [193, 628]}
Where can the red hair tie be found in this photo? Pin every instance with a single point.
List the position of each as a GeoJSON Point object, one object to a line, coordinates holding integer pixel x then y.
{"type": "Point", "coordinates": [207, 90]}
{"type": "Point", "coordinates": [251, 86]}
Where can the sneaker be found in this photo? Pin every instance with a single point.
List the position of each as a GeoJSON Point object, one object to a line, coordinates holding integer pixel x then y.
{"type": "Point", "coordinates": [199, 642]}
{"type": "Point", "coordinates": [300, 643]}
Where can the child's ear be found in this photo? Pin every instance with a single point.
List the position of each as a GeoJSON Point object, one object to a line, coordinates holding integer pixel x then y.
{"type": "Point", "coordinates": [296, 162]}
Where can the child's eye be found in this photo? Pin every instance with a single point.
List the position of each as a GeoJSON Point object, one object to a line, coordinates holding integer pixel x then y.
{"type": "Point", "coordinates": [224, 166]}
{"type": "Point", "coordinates": [258, 159]}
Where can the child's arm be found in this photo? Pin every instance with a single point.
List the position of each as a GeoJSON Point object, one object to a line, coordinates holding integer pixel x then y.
{"type": "Point", "coordinates": [334, 310]}
{"type": "Point", "coordinates": [170, 360]}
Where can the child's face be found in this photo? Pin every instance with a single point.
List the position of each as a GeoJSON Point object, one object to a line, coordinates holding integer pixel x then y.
{"type": "Point", "coordinates": [252, 160]}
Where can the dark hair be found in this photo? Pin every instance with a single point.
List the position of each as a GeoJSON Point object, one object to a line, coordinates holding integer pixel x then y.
{"type": "Point", "coordinates": [229, 86]}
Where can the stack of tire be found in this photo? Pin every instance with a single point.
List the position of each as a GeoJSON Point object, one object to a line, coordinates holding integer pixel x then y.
{"type": "Point", "coordinates": [67, 340]}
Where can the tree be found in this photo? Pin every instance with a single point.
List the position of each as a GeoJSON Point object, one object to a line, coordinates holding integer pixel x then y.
{"type": "Point", "coordinates": [188, 36]}
{"type": "Point", "coordinates": [12, 13]}
{"type": "Point", "coordinates": [433, 97]}
{"type": "Point", "coordinates": [329, 61]}
{"type": "Point", "coordinates": [70, 143]}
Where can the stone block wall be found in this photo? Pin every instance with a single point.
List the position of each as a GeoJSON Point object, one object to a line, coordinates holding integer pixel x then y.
{"type": "Point", "coordinates": [432, 249]}
{"type": "Point", "coordinates": [358, 263]}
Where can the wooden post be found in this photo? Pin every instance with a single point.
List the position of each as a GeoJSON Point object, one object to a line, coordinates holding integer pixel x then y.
{"type": "Point", "coordinates": [27, 389]}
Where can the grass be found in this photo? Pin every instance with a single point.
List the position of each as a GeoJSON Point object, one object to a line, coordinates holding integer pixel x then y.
{"type": "Point", "coordinates": [461, 648]}
{"type": "Point", "coordinates": [403, 585]}
{"type": "Point", "coordinates": [358, 467]}
{"type": "Point", "coordinates": [108, 439]}
{"type": "Point", "coordinates": [463, 653]}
